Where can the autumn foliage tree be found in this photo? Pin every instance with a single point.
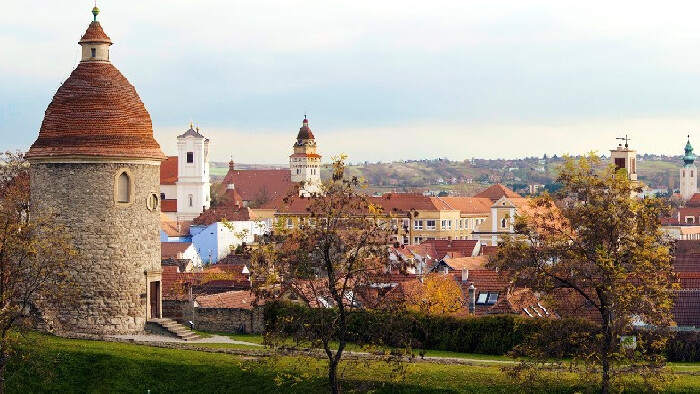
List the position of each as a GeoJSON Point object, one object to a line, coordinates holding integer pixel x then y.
{"type": "Point", "coordinates": [435, 294]}
{"type": "Point", "coordinates": [602, 246]}
{"type": "Point", "coordinates": [33, 254]}
{"type": "Point", "coordinates": [328, 264]}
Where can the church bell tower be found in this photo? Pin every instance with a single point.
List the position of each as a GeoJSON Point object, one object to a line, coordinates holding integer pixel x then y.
{"type": "Point", "coordinates": [688, 173]}
{"type": "Point", "coordinates": [305, 163]}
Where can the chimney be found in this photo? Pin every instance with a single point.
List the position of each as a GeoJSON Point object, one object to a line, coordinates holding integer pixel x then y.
{"type": "Point", "coordinates": [465, 275]}
{"type": "Point", "coordinates": [472, 299]}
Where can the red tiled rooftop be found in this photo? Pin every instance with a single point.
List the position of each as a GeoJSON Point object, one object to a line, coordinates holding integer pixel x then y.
{"type": "Point", "coordinates": [445, 246]}
{"type": "Point", "coordinates": [470, 205]}
{"type": "Point", "coordinates": [96, 112]}
{"type": "Point", "coordinates": [687, 246]}
{"type": "Point", "coordinates": [468, 263]}
{"type": "Point", "coordinates": [487, 280]}
{"type": "Point", "coordinates": [218, 214]}
{"type": "Point", "coordinates": [689, 280]}
{"type": "Point", "coordinates": [694, 201]}
{"type": "Point", "coordinates": [168, 171]}
{"type": "Point", "coordinates": [175, 229]}
{"type": "Point", "coordinates": [402, 203]}
{"type": "Point", "coordinates": [168, 205]}
{"type": "Point", "coordinates": [686, 262]}
{"type": "Point", "coordinates": [686, 308]}
{"type": "Point", "coordinates": [253, 184]}
{"type": "Point", "coordinates": [239, 299]}
{"type": "Point", "coordinates": [94, 33]}
{"type": "Point", "coordinates": [497, 191]}
{"type": "Point", "coordinates": [170, 250]}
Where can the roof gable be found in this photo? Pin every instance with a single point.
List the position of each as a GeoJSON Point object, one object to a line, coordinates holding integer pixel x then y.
{"type": "Point", "coordinates": [497, 191]}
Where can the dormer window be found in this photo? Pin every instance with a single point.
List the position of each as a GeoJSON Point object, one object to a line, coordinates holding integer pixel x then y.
{"type": "Point", "coordinates": [93, 52]}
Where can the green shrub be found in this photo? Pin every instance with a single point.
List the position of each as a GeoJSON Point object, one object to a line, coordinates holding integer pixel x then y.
{"type": "Point", "coordinates": [683, 346]}
{"type": "Point", "coordinates": [493, 335]}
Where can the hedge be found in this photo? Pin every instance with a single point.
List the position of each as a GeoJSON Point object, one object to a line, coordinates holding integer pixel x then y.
{"type": "Point", "coordinates": [683, 346]}
{"type": "Point", "coordinates": [493, 335]}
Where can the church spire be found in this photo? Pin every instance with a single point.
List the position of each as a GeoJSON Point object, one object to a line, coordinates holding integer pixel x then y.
{"type": "Point", "coordinates": [689, 157]}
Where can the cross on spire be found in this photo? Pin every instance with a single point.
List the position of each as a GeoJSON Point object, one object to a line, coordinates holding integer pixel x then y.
{"type": "Point", "coordinates": [626, 139]}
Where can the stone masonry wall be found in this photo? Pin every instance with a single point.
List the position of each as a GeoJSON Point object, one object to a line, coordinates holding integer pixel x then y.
{"type": "Point", "coordinates": [181, 311]}
{"type": "Point", "coordinates": [117, 244]}
{"type": "Point", "coordinates": [229, 320]}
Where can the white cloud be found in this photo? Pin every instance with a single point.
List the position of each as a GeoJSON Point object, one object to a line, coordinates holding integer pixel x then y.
{"type": "Point", "coordinates": [384, 79]}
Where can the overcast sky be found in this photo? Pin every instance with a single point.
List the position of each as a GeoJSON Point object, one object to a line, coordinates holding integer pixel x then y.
{"type": "Point", "coordinates": [379, 79]}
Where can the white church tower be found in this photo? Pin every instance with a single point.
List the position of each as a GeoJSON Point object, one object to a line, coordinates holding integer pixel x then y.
{"type": "Point", "coordinates": [193, 185]}
{"type": "Point", "coordinates": [624, 157]}
{"type": "Point", "coordinates": [688, 173]}
{"type": "Point", "coordinates": [305, 163]}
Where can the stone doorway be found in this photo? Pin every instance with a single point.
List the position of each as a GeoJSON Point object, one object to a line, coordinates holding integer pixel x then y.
{"type": "Point", "coordinates": [155, 299]}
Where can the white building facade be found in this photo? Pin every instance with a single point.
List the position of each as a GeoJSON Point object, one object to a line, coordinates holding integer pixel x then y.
{"type": "Point", "coordinates": [193, 181]}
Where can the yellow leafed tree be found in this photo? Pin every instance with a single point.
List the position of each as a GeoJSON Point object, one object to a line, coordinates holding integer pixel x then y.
{"type": "Point", "coordinates": [437, 294]}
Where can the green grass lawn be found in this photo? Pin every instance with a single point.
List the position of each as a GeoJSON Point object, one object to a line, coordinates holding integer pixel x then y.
{"type": "Point", "coordinates": [50, 364]}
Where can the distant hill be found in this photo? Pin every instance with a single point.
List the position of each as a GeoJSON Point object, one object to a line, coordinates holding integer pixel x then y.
{"type": "Point", "coordinates": [470, 176]}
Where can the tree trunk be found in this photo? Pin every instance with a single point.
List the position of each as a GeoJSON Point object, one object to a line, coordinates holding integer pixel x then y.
{"type": "Point", "coordinates": [605, 353]}
{"type": "Point", "coordinates": [3, 363]}
{"type": "Point", "coordinates": [333, 376]}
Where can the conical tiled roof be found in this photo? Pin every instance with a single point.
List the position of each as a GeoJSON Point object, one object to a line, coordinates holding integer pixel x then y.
{"type": "Point", "coordinates": [96, 113]}
{"type": "Point", "coordinates": [94, 33]}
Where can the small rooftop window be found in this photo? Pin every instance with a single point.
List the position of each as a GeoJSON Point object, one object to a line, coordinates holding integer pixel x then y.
{"type": "Point", "coordinates": [93, 52]}
{"type": "Point", "coordinates": [493, 297]}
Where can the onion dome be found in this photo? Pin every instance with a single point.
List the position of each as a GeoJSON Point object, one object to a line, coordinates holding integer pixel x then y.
{"type": "Point", "coordinates": [305, 132]}
{"type": "Point", "coordinates": [689, 157]}
{"type": "Point", "coordinates": [96, 112]}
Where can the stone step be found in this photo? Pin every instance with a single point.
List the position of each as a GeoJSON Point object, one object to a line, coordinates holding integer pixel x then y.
{"type": "Point", "coordinates": [176, 329]}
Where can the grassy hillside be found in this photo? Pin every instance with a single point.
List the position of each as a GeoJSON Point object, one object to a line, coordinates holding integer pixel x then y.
{"type": "Point", "coordinates": [50, 364]}
{"type": "Point", "coordinates": [471, 176]}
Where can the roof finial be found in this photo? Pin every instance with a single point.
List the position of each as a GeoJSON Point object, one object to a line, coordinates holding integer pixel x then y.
{"type": "Point", "coordinates": [626, 139]}
{"type": "Point", "coordinates": [95, 11]}
{"type": "Point", "coordinates": [191, 124]}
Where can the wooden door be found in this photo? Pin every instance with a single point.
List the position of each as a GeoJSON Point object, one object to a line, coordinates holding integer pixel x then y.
{"type": "Point", "coordinates": [155, 299]}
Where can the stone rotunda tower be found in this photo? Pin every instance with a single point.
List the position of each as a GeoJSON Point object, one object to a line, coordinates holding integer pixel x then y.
{"type": "Point", "coordinates": [95, 166]}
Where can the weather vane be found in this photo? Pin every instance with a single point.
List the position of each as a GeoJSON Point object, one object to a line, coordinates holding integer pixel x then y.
{"type": "Point", "coordinates": [626, 139]}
